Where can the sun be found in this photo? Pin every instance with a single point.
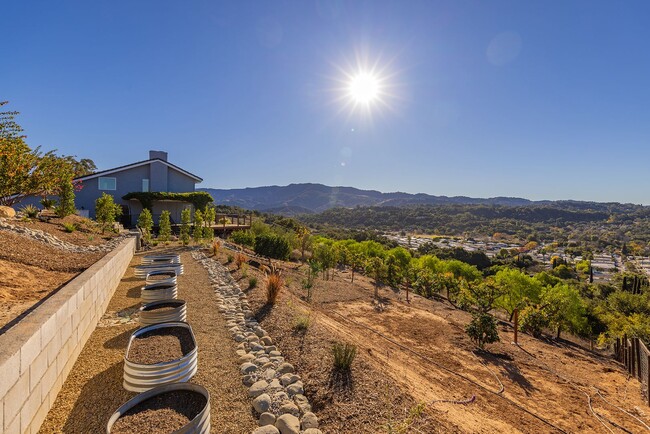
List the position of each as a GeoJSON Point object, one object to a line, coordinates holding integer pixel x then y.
{"type": "Point", "coordinates": [364, 88]}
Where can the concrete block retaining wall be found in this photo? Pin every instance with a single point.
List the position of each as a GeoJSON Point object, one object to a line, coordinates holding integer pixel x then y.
{"type": "Point", "coordinates": [37, 354]}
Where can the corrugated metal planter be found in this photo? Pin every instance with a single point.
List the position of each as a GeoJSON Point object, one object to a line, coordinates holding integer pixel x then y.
{"type": "Point", "coordinates": [158, 292]}
{"type": "Point", "coordinates": [168, 277]}
{"type": "Point", "coordinates": [139, 377]}
{"type": "Point", "coordinates": [160, 259]}
{"type": "Point", "coordinates": [159, 311]}
{"type": "Point", "coordinates": [199, 425]}
{"type": "Point", "coordinates": [141, 271]}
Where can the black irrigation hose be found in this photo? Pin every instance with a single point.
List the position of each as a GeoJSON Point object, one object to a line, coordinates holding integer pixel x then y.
{"type": "Point", "coordinates": [454, 373]}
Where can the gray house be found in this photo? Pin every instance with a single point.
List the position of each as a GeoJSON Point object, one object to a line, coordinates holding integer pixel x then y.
{"type": "Point", "coordinates": [154, 174]}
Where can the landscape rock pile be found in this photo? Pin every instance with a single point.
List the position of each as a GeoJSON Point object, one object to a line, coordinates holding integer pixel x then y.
{"type": "Point", "coordinates": [50, 239]}
{"type": "Point", "coordinates": [277, 393]}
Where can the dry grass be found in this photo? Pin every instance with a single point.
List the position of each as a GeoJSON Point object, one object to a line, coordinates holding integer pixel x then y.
{"type": "Point", "coordinates": [273, 287]}
{"type": "Point", "coordinates": [344, 354]}
{"type": "Point", "coordinates": [216, 246]}
{"type": "Point", "coordinates": [239, 260]}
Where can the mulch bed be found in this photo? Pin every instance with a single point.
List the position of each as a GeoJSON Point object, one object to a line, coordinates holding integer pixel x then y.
{"type": "Point", "coordinates": [161, 345]}
{"type": "Point", "coordinates": [26, 251]}
{"type": "Point", "coordinates": [163, 307]}
{"type": "Point", "coordinates": [161, 414]}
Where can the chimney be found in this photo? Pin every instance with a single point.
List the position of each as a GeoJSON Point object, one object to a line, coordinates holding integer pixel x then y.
{"type": "Point", "coordinates": [162, 155]}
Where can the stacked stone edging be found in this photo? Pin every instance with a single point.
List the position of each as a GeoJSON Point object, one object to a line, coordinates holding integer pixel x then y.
{"type": "Point", "coordinates": [276, 391]}
{"type": "Point", "coordinates": [50, 239]}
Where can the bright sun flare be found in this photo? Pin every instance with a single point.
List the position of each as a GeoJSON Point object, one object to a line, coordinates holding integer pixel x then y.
{"type": "Point", "coordinates": [364, 88]}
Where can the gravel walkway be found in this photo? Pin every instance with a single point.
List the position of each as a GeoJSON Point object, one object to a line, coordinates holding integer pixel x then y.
{"type": "Point", "coordinates": [93, 391]}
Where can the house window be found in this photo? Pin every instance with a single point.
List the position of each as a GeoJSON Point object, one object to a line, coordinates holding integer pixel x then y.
{"type": "Point", "coordinates": [145, 185]}
{"type": "Point", "coordinates": [108, 183]}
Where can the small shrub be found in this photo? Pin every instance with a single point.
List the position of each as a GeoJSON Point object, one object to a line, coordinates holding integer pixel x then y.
{"type": "Point", "coordinates": [230, 259]}
{"type": "Point", "coordinates": [483, 329]}
{"type": "Point", "coordinates": [69, 227]}
{"type": "Point", "coordinates": [48, 203]}
{"type": "Point", "coordinates": [344, 355]}
{"type": "Point", "coordinates": [30, 211]}
{"type": "Point", "coordinates": [273, 287]}
{"type": "Point", "coordinates": [244, 238]}
{"type": "Point", "coordinates": [252, 282]}
{"type": "Point", "coordinates": [208, 233]}
{"type": "Point", "coordinates": [239, 260]}
{"type": "Point", "coordinates": [302, 322]}
{"type": "Point", "coordinates": [272, 246]}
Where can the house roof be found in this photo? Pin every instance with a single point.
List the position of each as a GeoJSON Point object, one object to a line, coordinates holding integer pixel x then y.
{"type": "Point", "coordinates": [138, 164]}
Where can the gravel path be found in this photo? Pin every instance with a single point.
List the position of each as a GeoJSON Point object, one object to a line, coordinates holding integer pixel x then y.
{"type": "Point", "coordinates": [93, 390]}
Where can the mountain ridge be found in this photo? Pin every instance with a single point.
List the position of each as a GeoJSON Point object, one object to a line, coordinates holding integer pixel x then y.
{"type": "Point", "coordinates": [307, 198]}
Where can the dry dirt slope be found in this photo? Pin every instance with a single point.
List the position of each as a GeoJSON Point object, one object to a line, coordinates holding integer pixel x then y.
{"type": "Point", "coordinates": [421, 351]}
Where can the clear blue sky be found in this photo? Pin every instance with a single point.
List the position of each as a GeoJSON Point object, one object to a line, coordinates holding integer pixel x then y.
{"type": "Point", "coordinates": [543, 100]}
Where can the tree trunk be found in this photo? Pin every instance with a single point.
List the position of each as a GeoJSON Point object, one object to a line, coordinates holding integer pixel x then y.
{"type": "Point", "coordinates": [407, 294]}
{"type": "Point", "coordinates": [376, 290]}
{"type": "Point", "coordinates": [516, 312]}
{"type": "Point", "coordinates": [559, 329]}
{"type": "Point", "coordinates": [352, 281]}
{"type": "Point", "coordinates": [512, 314]}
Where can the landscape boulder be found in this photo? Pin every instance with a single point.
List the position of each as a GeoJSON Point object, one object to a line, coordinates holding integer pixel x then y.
{"type": "Point", "coordinates": [7, 212]}
{"type": "Point", "coordinates": [288, 424]}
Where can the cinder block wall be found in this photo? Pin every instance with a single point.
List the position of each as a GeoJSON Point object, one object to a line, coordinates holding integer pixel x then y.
{"type": "Point", "coordinates": [37, 354]}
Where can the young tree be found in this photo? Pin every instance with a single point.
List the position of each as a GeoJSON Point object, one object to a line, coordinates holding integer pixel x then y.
{"type": "Point", "coordinates": [564, 308]}
{"type": "Point", "coordinates": [66, 205]}
{"type": "Point", "coordinates": [106, 210]}
{"type": "Point", "coordinates": [165, 231]}
{"type": "Point", "coordinates": [483, 329]}
{"type": "Point", "coordinates": [145, 223]}
{"type": "Point", "coordinates": [482, 296]}
{"type": "Point", "coordinates": [185, 226]}
{"type": "Point", "coordinates": [519, 289]}
{"type": "Point", "coordinates": [376, 267]}
{"type": "Point", "coordinates": [198, 226]}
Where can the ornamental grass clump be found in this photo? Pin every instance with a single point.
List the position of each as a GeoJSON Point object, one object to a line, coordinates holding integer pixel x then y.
{"type": "Point", "coordinates": [30, 211]}
{"type": "Point", "coordinates": [239, 260]}
{"type": "Point", "coordinates": [273, 286]}
{"type": "Point", "coordinates": [344, 355]}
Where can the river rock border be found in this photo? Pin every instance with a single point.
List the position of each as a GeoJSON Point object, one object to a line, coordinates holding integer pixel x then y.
{"type": "Point", "coordinates": [277, 392]}
{"type": "Point", "coordinates": [39, 235]}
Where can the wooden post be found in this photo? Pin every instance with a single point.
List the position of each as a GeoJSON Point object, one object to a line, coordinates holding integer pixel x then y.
{"type": "Point", "coordinates": [638, 359]}
{"type": "Point", "coordinates": [648, 379]}
{"type": "Point", "coordinates": [516, 324]}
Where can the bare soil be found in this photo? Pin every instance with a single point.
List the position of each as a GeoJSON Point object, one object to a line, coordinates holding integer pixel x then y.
{"type": "Point", "coordinates": [93, 390]}
{"type": "Point", "coordinates": [162, 414]}
{"type": "Point", "coordinates": [164, 307]}
{"type": "Point", "coordinates": [418, 353]}
{"type": "Point", "coordinates": [161, 345]}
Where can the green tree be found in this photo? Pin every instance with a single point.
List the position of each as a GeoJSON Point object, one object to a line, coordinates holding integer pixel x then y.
{"type": "Point", "coordinates": [66, 204]}
{"type": "Point", "coordinates": [186, 216]}
{"type": "Point", "coordinates": [145, 223]}
{"type": "Point", "coordinates": [564, 308]}
{"type": "Point", "coordinates": [106, 210]}
{"type": "Point", "coordinates": [165, 227]}
{"type": "Point", "coordinates": [198, 226]}
{"type": "Point", "coordinates": [377, 269]}
{"type": "Point", "coordinates": [482, 329]}
{"type": "Point", "coordinates": [482, 296]}
{"type": "Point", "coordinates": [519, 289]}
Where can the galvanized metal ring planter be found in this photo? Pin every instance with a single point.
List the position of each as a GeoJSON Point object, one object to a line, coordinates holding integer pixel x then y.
{"type": "Point", "coordinates": [151, 313]}
{"type": "Point", "coordinates": [139, 377]}
{"type": "Point", "coordinates": [168, 277]}
{"type": "Point", "coordinates": [160, 259]}
{"type": "Point", "coordinates": [141, 271]}
{"type": "Point", "coordinates": [199, 425]}
{"type": "Point", "coordinates": [158, 292]}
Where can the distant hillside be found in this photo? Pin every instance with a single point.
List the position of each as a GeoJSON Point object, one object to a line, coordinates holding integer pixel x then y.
{"type": "Point", "coordinates": [315, 198]}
